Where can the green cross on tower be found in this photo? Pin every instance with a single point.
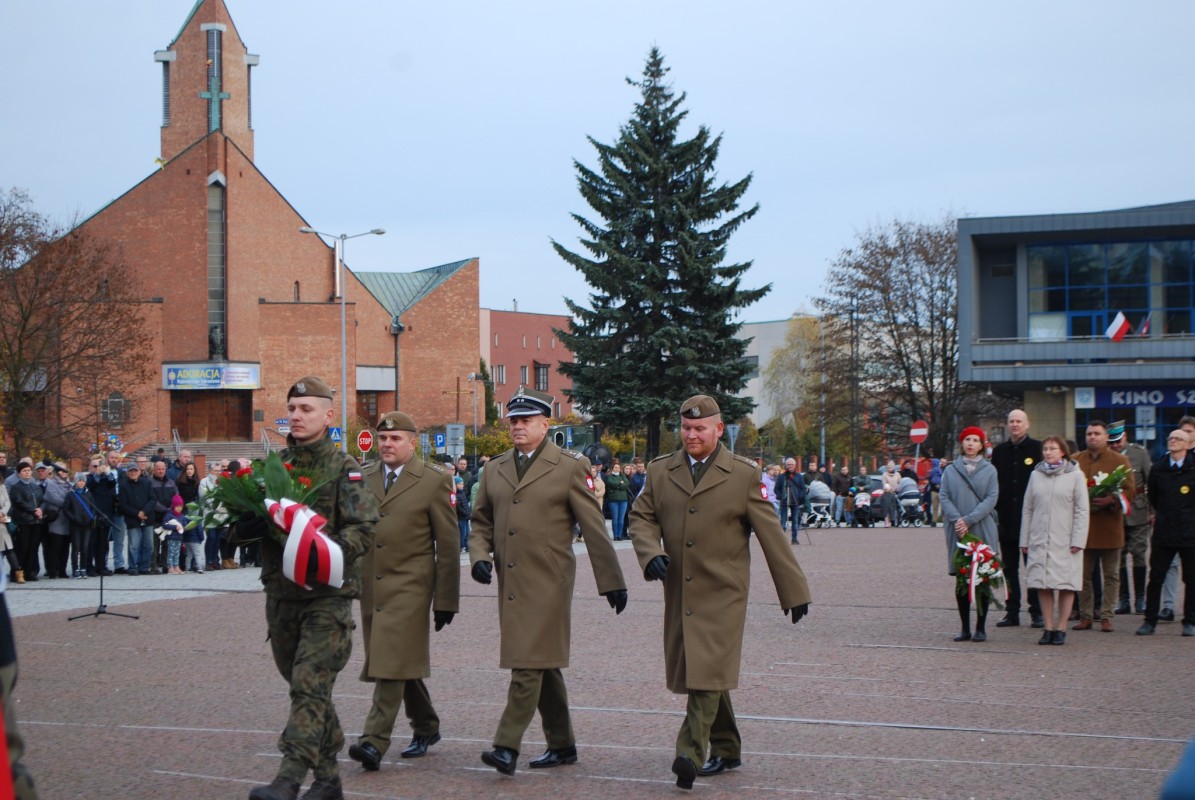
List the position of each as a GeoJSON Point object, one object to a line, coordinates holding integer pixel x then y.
{"type": "Point", "coordinates": [214, 95]}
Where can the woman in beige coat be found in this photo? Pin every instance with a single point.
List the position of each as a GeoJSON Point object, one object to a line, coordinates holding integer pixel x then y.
{"type": "Point", "coordinates": [1054, 533]}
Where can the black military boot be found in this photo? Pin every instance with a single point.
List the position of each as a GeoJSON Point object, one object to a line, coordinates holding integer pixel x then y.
{"type": "Point", "coordinates": [1123, 607]}
{"type": "Point", "coordinates": [325, 789]}
{"type": "Point", "coordinates": [279, 789]}
{"type": "Point", "coordinates": [964, 613]}
{"type": "Point", "coordinates": [1139, 587]}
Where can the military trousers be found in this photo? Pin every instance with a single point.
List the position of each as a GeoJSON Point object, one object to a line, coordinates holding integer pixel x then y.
{"type": "Point", "coordinates": [388, 695]}
{"type": "Point", "coordinates": [1136, 544]}
{"type": "Point", "coordinates": [532, 690]}
{"type": "Point", "coordinates": [1108, 559]}
{"type": "Point", "coordinates": [709, 724]}
{"type": "Point", "coordinates": [311, 641]}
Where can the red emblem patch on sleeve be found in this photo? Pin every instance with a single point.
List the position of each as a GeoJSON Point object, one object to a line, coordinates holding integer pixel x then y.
{"type": "Point", "coordinates": [763, 491]}
{"type": "Point", "coordinates": [354, 476]}
{"type": "Point", "coordinates": [452, 499]}
{"type": "Point", "coordinates": [589, 482]}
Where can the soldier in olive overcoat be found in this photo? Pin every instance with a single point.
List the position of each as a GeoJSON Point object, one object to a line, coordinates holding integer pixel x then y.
{"type": "Point", "coordinates": [528, 500]}
{"type": "Point", "coordinates": [412, 570]}
{"type": "Point", "coordinates": [691, 527]}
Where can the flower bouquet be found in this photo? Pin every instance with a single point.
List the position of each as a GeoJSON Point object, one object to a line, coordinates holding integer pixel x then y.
{"type": "Point", "coordinates": [281, 494]}
{"type": "Point", "coordinates": [106, 442]}
{"type": "Point", "coordinates": [979, 571]}
{"type": "Point", "coordinates": [1105, 485]}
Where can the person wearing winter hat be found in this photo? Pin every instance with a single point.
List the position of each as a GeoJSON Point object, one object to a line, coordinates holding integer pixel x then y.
{"type": "Point", "coordinates": [173, 526]}
{"type": "Point", "coordinates": [970, 488]}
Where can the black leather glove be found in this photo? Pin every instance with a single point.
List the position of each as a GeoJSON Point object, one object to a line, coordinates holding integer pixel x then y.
{"type": "Point", "coordinates": [482, 572]}
{"type": "Point", "coordinates": [249, 529]}
{"type": "Point", "coordinates": [657, 569]}
{"type": "Point", "coordinates": [443, 618]}
{"type": "Point", "coordinates": [797, 612]}
{"type": "Point", "coordinates": [617, 599]}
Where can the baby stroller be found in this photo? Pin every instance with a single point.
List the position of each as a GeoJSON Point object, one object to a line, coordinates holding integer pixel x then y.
{"type": "Point", "coordinates": [911, 512]}
{"type": "Point", "coordinates": [863, 516]}
{"type": "Point", "coordinates": [820, 498]}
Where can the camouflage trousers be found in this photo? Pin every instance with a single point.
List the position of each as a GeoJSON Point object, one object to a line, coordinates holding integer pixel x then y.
{"type": "Point", "coordinates": [311, 641]}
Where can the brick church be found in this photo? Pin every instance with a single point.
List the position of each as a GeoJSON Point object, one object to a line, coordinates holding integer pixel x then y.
{"type": "Point", "coordinates": [241, 302]}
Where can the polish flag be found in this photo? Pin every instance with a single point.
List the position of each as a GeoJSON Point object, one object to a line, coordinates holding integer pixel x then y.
{"type": "Point", "coordinates": [1119, 327]}
{"type": "Point", "coordinates": [1144, 329]}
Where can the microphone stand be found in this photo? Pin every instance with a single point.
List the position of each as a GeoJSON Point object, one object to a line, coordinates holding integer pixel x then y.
{"type": "Point", "coordinates": [102, 608]}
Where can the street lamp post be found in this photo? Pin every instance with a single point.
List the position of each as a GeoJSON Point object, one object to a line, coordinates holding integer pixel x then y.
{"type": "Point", "coordinates": [338, 250]}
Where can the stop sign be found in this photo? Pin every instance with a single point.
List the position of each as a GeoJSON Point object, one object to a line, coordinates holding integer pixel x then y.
{"type": "Point", "coordinates": [918, 431]}
{"type": "Point", "coordinates": [364, 441]}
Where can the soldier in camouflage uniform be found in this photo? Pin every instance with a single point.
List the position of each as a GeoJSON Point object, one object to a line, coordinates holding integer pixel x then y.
{"type": "Point", "coordinates": [311, 631]}
{"type": "Point", "coordinates": [1136, 522]}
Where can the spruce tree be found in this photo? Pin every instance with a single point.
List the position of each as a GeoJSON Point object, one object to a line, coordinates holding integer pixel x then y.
{"type": "Point", "coordinates": [658, 327]}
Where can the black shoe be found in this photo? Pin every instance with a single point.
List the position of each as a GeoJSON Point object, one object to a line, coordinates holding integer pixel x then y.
{"type": "Point", "coordinates": [502, 759]}
{"type": "Point", "coordinates": [1059, 637]}
{"type": "Point", "coordinates": [418, 746]}
{"type": "Point", "coordinates": [685, 771]}
{"type": "Point", "coordinates": [556, 758]}
{"type": "Point", "coordinates": [1188, 629]}
{"type": "Point", "coordinates": [1009, 621]}
{"type": "Point", "coordinates": [719, 764]}
{"type": "Point", "coordinates": [965, 636]}
{"type": "Point", "coordinates": [1140, 609]}
{"type": "Point", "coordinates": [1146, 629]}
{"type": "Point", "coordinates": [324, 789]}
{"type": "Point", "coordinates": [280, 789]}
{"type": "Point", "coordinates": [107, 573]}
{"type": "Point", "coordinates": [979, 636]}
{"type": "Point", "coordinates": [1167, 615]}
{"type": "Point", "coordinates": [1047, 637]}
{"type": "Point", "coordinates": [1123, 607]}
{"type": "Point", "coordinates": [366, 755]}
{"type": "Point", "coordinates": [1036, 620]}
{"type": "Point", "coordinates": [123, 571]}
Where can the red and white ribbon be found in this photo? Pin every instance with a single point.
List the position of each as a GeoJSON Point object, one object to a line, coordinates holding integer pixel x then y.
{"type": "Point", "coordinates": [304, 528]}
{"type": "Point", "coordinates": [1124, 504]}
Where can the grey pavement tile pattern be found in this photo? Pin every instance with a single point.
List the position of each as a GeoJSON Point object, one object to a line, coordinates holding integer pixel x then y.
{"type": "Point", "coordinates": [867, 697]}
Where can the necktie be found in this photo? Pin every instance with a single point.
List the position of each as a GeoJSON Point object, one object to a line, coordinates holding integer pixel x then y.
{"type": "Point", "coordinates": [390, 478]}
{"type": "Point", "coordinates": [698, 471]}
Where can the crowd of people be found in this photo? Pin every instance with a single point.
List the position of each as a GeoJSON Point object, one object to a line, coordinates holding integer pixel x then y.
{"type": "Point", "coordinates": [123, 516]}
{"type": "Point", "coordinates": [1062, 520]}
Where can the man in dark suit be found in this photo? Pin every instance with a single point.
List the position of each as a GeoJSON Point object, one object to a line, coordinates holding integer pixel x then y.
{"type": "Point", "coordinates": [528, 500]}
{"type": "Point", "coordinates": [1014, 460]}
{"type": "Point", "coordinates": [691, 528]}
{"type": "Point", "coordinates": [413, 568]}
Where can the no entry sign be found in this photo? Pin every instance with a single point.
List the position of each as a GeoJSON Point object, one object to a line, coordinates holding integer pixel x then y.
{"type": "Point", "coordinates": [918, 431]}
{"type": "Point", "coordinates": [364, 441]}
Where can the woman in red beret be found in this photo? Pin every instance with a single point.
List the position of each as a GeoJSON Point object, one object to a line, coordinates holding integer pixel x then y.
{"type": "Point", "coordinates": [968, 499]}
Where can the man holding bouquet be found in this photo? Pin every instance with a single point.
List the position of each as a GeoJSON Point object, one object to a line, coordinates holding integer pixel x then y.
{"type": "Point", "coordinates": [311, 630]}
{"type": "Point", "coordinates": [1105, 535]}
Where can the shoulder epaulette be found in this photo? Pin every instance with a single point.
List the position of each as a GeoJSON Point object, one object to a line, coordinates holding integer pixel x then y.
{"type": "Point", "coordinates": [573, 454]}
{"type": "Point", "coordinates": [660, 458]}
{"type": "Point", "coordinates": [440, 468]}
{"type": "Point", "coordinates": [747, 461]}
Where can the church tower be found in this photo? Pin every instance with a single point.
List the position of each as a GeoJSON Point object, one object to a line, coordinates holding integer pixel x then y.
{"type": "Point", "coordinates": [206, 82]}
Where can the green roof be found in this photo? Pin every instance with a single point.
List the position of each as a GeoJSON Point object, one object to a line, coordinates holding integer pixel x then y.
{"type": "Point", "coordinates": [399, 291]}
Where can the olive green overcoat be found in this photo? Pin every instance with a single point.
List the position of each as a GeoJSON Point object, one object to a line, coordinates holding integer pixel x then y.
{"type": "Point", "coordinates": [412, 567]}
{"type": "Point", "coordinates": [526, 529]}
{"type": "Point", "coordinates": [706, 534]}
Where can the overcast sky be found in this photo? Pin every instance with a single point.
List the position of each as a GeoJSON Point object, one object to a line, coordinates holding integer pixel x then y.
{"type": "Point", "coordinates": [454, 124]}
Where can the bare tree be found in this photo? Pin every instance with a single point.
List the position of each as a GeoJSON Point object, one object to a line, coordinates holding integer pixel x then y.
{"type": "Point", "coordinates": [62, 292]}
{"type": "Point", "coordinates": [895, 290]}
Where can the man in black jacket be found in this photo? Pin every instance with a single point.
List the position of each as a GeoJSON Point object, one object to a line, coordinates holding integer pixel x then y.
{"type": "Point", "coordinates": [1172, 496]}
{"type": "Point", "coordinates": [790, 494]}
{"type": "Point", "coordinates": [1014, 460]}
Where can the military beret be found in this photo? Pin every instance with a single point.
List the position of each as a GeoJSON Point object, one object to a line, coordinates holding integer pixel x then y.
{"type": "Point", "coordinates": [309, 386]}
{"type": "Point", "coordinates": [1116, 431]}
{"type": "Point", "coordinates": [396, 421]}
{"type": "Point", "coordinates": [528, 402]}
{"type": "Point", "coordinates": [700, 406]}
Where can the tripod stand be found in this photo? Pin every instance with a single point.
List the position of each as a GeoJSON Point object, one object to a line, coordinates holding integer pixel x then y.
{"type": "Point", "coordinates": [102, 608]}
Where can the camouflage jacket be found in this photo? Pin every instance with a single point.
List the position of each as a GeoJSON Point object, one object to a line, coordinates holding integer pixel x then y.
{"type": "Point", "coordinates": [348, 506]}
